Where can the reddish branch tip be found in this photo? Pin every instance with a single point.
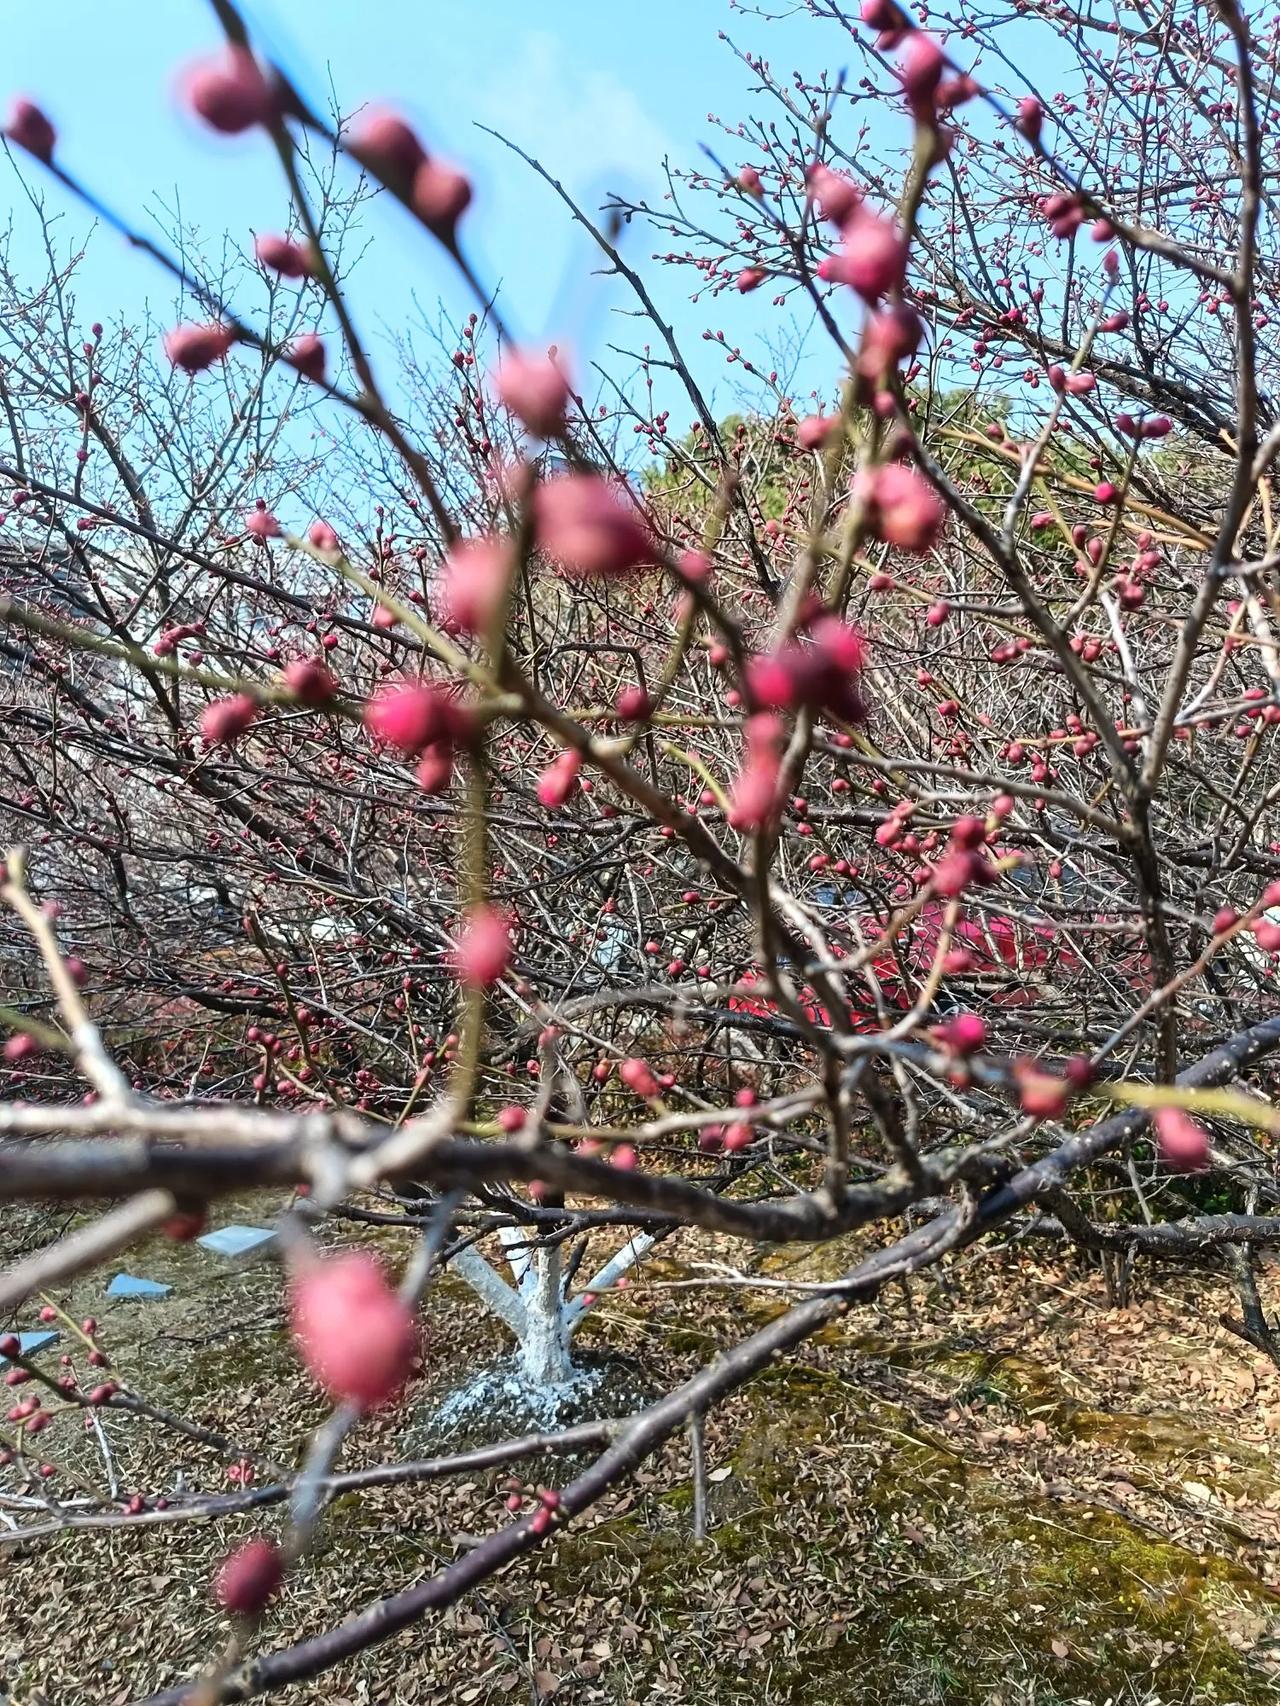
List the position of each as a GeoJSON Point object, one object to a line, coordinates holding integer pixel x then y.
{"type": "Point", "coordinates": [536, 391]}
{"type": "Point", "coordinates": [585, 524]}
{"type": "Point", "coordinates": [193, 348]}
{"type": "Point", "coordinates": [249, 1578]}
{"type": "Point", "coordinates": [356, 1336]}
{"type": "Point", "coordinates": [28, 127]}
{"type": "Point", "coordinates": [231, 92]}
{"type": "Point", "coordinates": [484, 948]}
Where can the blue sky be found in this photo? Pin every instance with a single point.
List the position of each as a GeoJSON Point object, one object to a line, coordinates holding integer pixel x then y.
{"type": "Point", "coordinates": [597, 90]}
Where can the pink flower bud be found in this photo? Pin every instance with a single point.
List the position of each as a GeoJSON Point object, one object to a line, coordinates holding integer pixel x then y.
{"type": "Point", "coordinates": [435, 768]}
{"type": "Point", "coordinates": [835, 197]}
{"type": "Point", "coordinates": [920, 69]}
{"type": "Point", "coordinates": [756, 798]}
{"type": "Point", "coordinates": [260, 522]}
{"type": "Point", "coordinates": [558, 780]}
{"type": "Point", "coordinates": [385, 145]}
{"type": "Point", "coordinates": [633, 705]}
{"type": "Point", "coordinates": [966, 1033]}
{"type": "Point", "coordinates": [873, 261]}
{"type": "Point", "coordinates": [30, 129]}
{"type": "Point", "coordinates": [884, 16]}
{"type": "Point", "coordinates": [583, 522]}
{"type": "Point", "coordinates": [473, 583]}
{"type": "Point", "coordinates": [310, 682]}
{"type": "Point", "coordinates": [193, 348]}
{"type": "Point", "coordinates": [839, 645]}
{"type": "Point", "coordinates": [440, 197]}
{"type": "Point", "coordinates": [356, 1336]}
{"type": "Point", "coordinates": [638, 1078]}
{"type": "Point", "coordinates": [230, 91]}
{"type": "Point", "coordinates": [410, 716]}
{"type": "Point", "coordinates": [1080, 384]}
{"type": "Point", "coordinates": [282, 255]}
{"type": "Point", "coordinates": [1029, 118]}
{"type": "Point", "coordinates": [536, 391]}
{"type": "Point", "coordinates": [249, 1578]}
{"type": "Point", "coordinates": [902, 508]}
{"type": "Point", "coordinates": [484, 948]}
{"type": "Point", "coordinates": [1040, 1094]}
{"type": "Point", "coordinates": [223, 721]}
{"type": "Point", "coordinates": [773, 680]}
{"type": "Point", "coordinates": [891, 335]}
{"type": "Point", "coordinates": [813, 432]}
{"type": "Point", "coordinates": [307, 355]}
{"type": "Point", "coordinates": [322, 536]}
{"type": "Point", "coordinates": [1183, 1143]}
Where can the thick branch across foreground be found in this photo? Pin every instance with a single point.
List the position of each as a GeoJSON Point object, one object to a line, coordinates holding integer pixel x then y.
{"type": "Point", "coordinates": [645, 1432]}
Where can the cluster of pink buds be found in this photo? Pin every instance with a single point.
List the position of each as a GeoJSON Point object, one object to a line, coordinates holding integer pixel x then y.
{"type": "Point", "coordinates": [546, 1502]}
{"type": "Point", "coordinates": [1063, 213]}
{"type": "Point", "coordinates": [386, 146]}
{"type": "Point", "coordinates": [963, 863]}
{"type": "Point", "coordinates": [425, 721]}
{"type": "Point", "coordinates": [822, 674]}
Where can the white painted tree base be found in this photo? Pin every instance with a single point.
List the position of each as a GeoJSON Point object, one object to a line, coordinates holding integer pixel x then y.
{"type": "Point", "coordinates": [506, 1390]}
{"type": "Point", "coordinates": [541, 1380]}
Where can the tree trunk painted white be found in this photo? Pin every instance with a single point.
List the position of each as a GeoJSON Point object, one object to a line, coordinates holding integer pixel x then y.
{"type": "Point", "coordinates": [535, 1308]}
{"type": "Point", "coordinates": [544, 1349]}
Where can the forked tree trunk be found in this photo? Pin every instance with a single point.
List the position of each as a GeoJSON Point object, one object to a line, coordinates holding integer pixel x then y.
{"type": "Point", "coordinates": [535, 1308]}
